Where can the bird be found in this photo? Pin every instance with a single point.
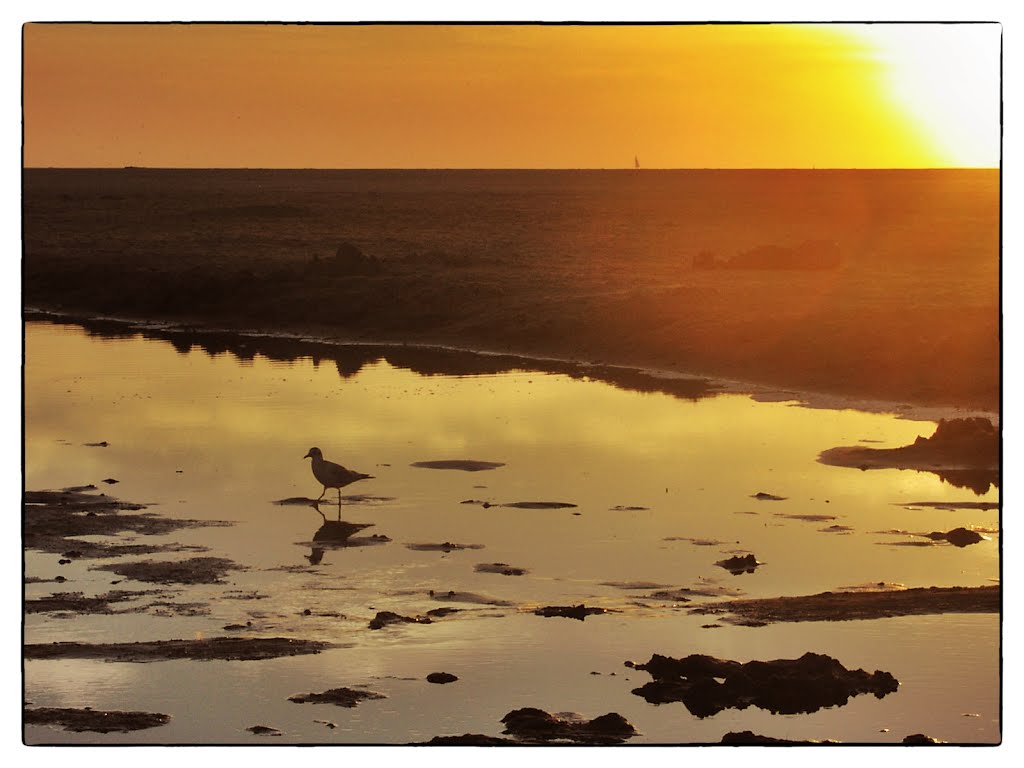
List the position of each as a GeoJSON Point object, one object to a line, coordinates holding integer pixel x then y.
{"type": "Point", "coordinates": [332, 475]}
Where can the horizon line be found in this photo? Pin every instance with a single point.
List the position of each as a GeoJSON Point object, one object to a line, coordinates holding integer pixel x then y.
{"type": "Point", "coordinates": [504, 168]}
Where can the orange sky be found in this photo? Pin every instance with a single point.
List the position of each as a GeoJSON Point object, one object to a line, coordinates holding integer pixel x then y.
{"type": "Point", "coordinates": [511, 96]}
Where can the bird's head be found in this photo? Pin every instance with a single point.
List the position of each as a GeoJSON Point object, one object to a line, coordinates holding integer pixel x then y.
{"type": "Point", "coordinates": [313, 453]}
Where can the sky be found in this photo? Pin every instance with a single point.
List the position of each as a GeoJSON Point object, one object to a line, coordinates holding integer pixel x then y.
{"type": "Point", "coordinates": [512, 96]}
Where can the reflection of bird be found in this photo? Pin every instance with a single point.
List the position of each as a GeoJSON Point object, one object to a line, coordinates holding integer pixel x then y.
{"type": "Point", "coordinates": [333, 534]}
{"type": "Point", "coordinates": [331, 475]}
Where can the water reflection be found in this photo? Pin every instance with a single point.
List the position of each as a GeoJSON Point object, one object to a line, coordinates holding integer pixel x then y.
{"type": "Point", "coordinates": [351, 359]}
{"type": "Point", "coordinates": [978, 481]}
{"type": "Point", "coordinates": [336, 533]}
{"type": "Point", "coordinates": [663, 490]}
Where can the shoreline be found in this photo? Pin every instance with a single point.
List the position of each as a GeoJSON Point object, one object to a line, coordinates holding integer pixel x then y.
{"type": "Point", "coordinates": [717, 384]}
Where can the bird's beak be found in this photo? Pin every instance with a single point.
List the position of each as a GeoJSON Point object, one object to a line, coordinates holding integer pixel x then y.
{"type": "Point", "coordinates": [308, 454]}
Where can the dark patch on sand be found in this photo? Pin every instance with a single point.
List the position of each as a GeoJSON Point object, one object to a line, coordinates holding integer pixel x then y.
{"type": "Point", "coordinates": [808, 518]}
{"type": "Point", "coordinates": [454, 596]}
{"type": "Point", "coordinates": [962, 452]}
{"type": "Point", "coordinates": [76, 602]}
{"type": "Point", "coordinates": [446, 546]}
{"type": "Point", "coordinates": [841, 529]}
{"type": "Point", "coordinates": [958, 537]}
{"type": "Point", "coordinates": [339, 697]}
{"type": "Point", "coordinates": [537, 726]}
{"type": "Point", "coordinates": [952, 505]}
{"type": "Point", "coordinates": [762, 496]}
{"type": "Point", "coordinates": [386, 618]}
{"type": "Point", "coordinates": [579, 612]}
{"type": "Point", "coordinates": [671, 595]}
{"type": "Point", "coordinates": [848, 606]}
{"type": "Point", "coordinates": [696, 542]}
{"type": "Point", "coordinates": [222, 648]}
{"type": "Point", "coordinates": [539, 505]}
{"type": "Point", "coordinates": [783, 686]}
{"type": "Point", "coordinates": [466, 465]}
{"type": "Point", "coordinates": [685, 594]}
{"type": "Point", "coordinates": [101, 444]}
{"type": "Point", "coordinates": [94, 720]}
{"type": "Point", "coordinates": [263, 730]}
{"type": "Point", "coordinates": [468, 740]}
{"type": "Point", "coordinates": [751, 739]}
{"type": "Point", "coordinates": [920, 740]}
{"type": "Point", "coordinates": [440, 613]}
{"type": "Point", "coordinates": [739, 564]}
{"type": "Point", "coordinates": [874, 586]}
{"type": "Point", "coordinates": [53, 520]}
{"type": "Point", "coordinates": [522, 504]}
{"type": "Point", "coordinates": [634, 584]}
{"type": "Point", "coordinates": [195, 570]}
{"type": "Point", "coordinates": [441, 678]}
{"type": "Point", "coordinates": [503, 569]}
{"type": "Point", "coordinates": [621, 508]}
{"type": "Point", "coordinates": [355, 498]}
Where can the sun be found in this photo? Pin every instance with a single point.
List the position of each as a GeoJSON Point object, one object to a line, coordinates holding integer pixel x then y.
{"type": "Point", "coordinates": [945, 78]}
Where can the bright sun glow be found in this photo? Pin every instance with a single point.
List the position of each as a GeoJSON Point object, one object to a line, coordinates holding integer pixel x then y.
{"type": "Point", "coordinates": [945, 78]}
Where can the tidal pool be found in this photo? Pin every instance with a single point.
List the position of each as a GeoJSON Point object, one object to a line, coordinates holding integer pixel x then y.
{"type": "Point", "coordinates": [662, 486]}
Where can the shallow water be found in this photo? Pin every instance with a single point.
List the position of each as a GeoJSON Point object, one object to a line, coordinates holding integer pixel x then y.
{"type": "Point", "coordinates": [221, 437]}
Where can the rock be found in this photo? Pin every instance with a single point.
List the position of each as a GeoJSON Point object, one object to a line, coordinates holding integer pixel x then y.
{"type": "Point", "coordinates": [920, 740]}
{"type": "Point", "coordinates": [782, 686]}
{"type": "Point", "coordinates": [568, 611]}
{"type": "Point", "coordinates": [963, 452]}
{"type": "Point", "coordinates": [469, 740]}
{"type": "Point", "coordinates": [441, 678]}
{"type": "Point", "coordinates": [762, 496]}
{"type": "Point", "coordinates": [341, 697]}
{"type": "Point", "coordinates": [442, 612]}
{"type": "Point", "coordinates": [748, 738]}
{"type": "Point", "coordinates": [466, 465]}
{"type": "Point", "coordinates": [958, 537]}
{"type": "Point", "coordinates": [503, 569]}
{"type": "Point", "coordinates": [383, 618]}
{"type": "Point", "coordinates": [349, 259]}
{"type": "Point", "coordinates": [739, 564]}
{"type": "Point", "coordinates": [534, 724]}
{"type": "Point", "coordinates": [881, 601]}
{"type": "Point", "coordinates": [98, 721]}
{"type": "Point", "coordinates": [224, 648]}
{"type": "Point", "coordinates": [263, 730]}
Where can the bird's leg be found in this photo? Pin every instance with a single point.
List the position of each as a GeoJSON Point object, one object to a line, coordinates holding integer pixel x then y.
{"type": "Point", "coordinates": [316, 506]}
{"type": "Point", "coordinates": [322, 493]}
{"type": "Point", "coordinates": [339, 505]}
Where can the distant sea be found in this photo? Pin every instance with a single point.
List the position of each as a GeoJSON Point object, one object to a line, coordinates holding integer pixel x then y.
{"type": "Point", "coordinates": [509, 216]}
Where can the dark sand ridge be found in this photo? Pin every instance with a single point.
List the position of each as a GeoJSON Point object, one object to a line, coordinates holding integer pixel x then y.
{"type": "Point", "coordinates": [848, 606]}
{"type": "Point", "coordinates": [907, 312]}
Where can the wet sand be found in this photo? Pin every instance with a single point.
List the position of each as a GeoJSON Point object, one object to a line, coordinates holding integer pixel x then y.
{"type": "Point", "coordinates": [849, 606]}
{"type": "Point", "coordinates": [450, 554]}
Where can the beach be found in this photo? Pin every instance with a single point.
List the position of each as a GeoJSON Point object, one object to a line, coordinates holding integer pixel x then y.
{"type": "Point", "coordinates": [869, 284]}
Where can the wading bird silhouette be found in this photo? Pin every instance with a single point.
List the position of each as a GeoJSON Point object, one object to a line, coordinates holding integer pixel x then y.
{"type": "Point", "coordinates": [332, 475]}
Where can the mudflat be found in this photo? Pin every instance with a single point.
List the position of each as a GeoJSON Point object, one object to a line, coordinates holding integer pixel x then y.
{"type": "Point", "coordinates": [902, 305]}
